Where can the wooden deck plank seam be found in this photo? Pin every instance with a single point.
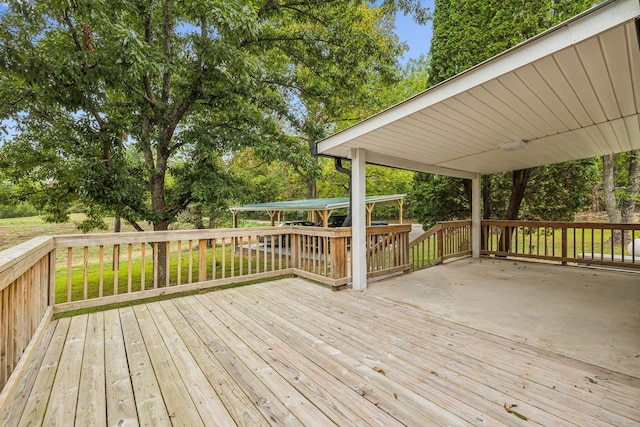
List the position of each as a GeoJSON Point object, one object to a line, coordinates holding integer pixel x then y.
{"type": "Point", "coordinates": [240, 407]}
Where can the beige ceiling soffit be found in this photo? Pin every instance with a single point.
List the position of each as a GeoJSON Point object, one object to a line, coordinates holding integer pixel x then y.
{"type": "Point", "coordinates": [375, 158]}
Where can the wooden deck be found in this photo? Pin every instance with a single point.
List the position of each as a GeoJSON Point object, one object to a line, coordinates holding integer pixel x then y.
{"type": "Point", "coordinates": [294, 353]}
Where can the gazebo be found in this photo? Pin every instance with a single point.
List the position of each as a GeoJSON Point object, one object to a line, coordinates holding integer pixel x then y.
{"type": "Point", "coordinates": [572, 92]}
{"type": "Point", "coordinates": [322, 208]}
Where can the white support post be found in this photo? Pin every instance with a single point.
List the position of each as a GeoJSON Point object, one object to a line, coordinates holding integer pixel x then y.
{"type": "Point", "coordinates": [359, 219]}
{"type": "Point", "coordinates": [476, 215]}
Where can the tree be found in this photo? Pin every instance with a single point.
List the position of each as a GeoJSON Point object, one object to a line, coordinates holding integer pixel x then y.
{"type": "Point", "coordinates": [466, 33]}
{"type": "Point", "coordinates": [555, 193]}
{"type": "Point", "coordinates": [621, 186]}
{"type": "Point", "coordinates": [184, 80]}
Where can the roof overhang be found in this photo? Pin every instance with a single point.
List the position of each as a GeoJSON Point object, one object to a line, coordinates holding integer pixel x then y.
{"type": "Point", "coordinates": [570, 93]}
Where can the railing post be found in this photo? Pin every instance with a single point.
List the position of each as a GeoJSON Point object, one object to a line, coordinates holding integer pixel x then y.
{"type": "Point", "coordinates": [565, 251]}
{"type": "Point", "coordinates": [295, 250]}
{"type": "Point", "coordinates": [440, 238]}
{"type": "Point", "coordinates": [338, 257]}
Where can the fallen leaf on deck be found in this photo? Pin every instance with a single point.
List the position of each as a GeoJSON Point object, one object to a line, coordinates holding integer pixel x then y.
{"type": "Point", "coordinates": [510, 410]}
{"type": "Point", "coordinates": [380, 370]}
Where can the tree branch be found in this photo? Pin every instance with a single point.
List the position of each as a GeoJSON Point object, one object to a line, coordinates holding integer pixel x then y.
{"type": "Point", "coordinates": [134, 224]}
{"type": "Point", "coordinates": [166, 48]}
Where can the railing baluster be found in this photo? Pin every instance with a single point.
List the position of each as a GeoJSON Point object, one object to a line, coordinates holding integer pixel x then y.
{"type": "Point", "coordinates": [223, 266]}
{"type": "Point", "coordinates": [69, 272]}
{"type": "Point", "coordinates": [101, 272]}
{"type": "Point", "coordinates": [116, 267]}
{"type": "Point", "coordinates": [85, 273]}
{"type": "Point", "coordinates": [240, 255]}
{"type": "Point", "coordinates": [167, 260]}
{"type": "Point", "coordinates": [214, 256]}
{"type": "Point", "coordinates": [155, 265]}
{"type": "Point", "coordinates": [190, 275]}
{"type": "Point", "coordinates": [129, 268]}
{"type": "Point", "coordinates": [202, 260]}
{"type": "Point", "coordinates": [179, 272]}
{"type": "Point", "coordinates": [143, 266]}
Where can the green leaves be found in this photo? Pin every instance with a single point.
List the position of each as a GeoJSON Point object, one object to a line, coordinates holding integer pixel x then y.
{"type": "Point", "coordinates": [467, 32]}
{"type": "Point", "coordinates": [133, 104]}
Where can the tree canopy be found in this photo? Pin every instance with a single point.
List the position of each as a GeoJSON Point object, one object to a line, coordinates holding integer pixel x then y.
{"type": "Point", "coordinates": [130, 105]}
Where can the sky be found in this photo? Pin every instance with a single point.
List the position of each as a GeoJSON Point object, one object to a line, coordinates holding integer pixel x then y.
{"type": "Point", "coordinates": [418, 37]}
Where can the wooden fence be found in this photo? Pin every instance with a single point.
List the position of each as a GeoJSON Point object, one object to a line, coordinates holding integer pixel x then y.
{"type": "Point", "coordinates": [445, 240]}
{"type": "Point", "coordinates": [565, 242]}
{"type": "Point", "coordinates": [25, 309]}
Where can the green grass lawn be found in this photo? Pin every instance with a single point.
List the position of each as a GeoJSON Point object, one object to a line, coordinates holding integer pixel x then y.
{"type": "Point", "coordinates": [549, 241]}
{"type": "Point", "coordinates": [129, 273]}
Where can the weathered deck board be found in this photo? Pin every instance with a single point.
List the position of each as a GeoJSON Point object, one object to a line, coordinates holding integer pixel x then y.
{"type": "Point", "coordinates": [92, 411]}
{"type": "Point", "coordinates": [294, 353]}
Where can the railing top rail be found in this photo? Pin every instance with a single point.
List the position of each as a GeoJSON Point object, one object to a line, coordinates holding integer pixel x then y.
{"type": "Point", "coordinates": [382, 229]}
{"type": "Point", "coordinates": [457, 223]}
{"type": "Point", "coordinates": [563, 224]}
{"type": "Point", "coordinates": [18, 259]}
{"type": "Point", "coordinates": [424, 236]}
{"type": "Point", "coordinates": [79, 240]}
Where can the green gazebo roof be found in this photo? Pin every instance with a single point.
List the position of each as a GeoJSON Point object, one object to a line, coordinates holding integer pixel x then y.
{"type": "Point", "coordinates": [314, 204]}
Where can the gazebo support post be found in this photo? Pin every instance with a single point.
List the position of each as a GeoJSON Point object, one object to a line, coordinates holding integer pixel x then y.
{"type": "Point", "coordinates": [272, 216]}
{"type": "Point", "coordinates": [235, 219]}
{"type": "Point", "coordinates": [369, 207]}
{"type": "Point", "coordinates": [476, 217]}
{"type": "Point", "coordinates": [324, 216]}
{"type": "Point", "coordinates": [400, 214]}
{"type": "Point", "coordinates": [359, 219]}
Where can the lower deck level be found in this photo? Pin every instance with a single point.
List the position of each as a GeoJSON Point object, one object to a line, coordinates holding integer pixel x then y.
{"type": "Point", "coordinates": [290, 352]}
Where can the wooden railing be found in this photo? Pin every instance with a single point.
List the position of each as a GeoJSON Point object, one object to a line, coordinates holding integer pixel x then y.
{"type": "Point", "coordinates": [25, 273]}
{"type": "Point", "coordinates": [445, 240]}
{"type": "Point", "coordinates": [50, 275]}
{"type": "Point", "coordinates": [387, 250]}
{"type": "Point", "coordinates": [113, 268]}
{"type": "Point", "coordinates": [564, 242]}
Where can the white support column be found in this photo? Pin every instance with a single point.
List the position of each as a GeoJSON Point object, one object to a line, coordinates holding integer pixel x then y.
{"type": "Point", "coordinates": [476, 215]}
{"type": "Point", "coordinates": [359, 219]}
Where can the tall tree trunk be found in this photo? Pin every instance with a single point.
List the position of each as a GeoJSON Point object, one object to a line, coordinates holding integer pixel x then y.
{"type": "Point", "coordinates": [486, 197]}
{"type": "Point", "coordinates": [340, 168]}
{"type": "Point", "coordinates": [609, 180]}
{"type": "Point", "coordinates": [312, 188]}
{"type": "Point", "coordinates": [117, 224]}
{"type": "Point", "coordinates": [486, 209]}
{"type": "Point", "coordinates": [621, 205]}
{"type": "Point", "coordinates": [628, 206]}
{"type": "Point", "coordinates": [519, 180]}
